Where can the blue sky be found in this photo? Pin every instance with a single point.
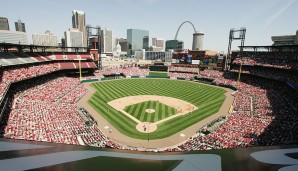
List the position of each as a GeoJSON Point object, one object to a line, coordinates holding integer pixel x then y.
{"type": "Point", "coordinates": [262, 18]}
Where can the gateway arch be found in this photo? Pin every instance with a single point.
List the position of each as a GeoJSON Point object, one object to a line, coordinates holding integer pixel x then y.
{"type": "Point", "coordinates": [198, 37]}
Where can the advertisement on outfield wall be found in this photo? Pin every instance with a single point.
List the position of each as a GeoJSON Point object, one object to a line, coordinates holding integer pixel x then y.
{"type": "Point", "coordinates": [197, 62]}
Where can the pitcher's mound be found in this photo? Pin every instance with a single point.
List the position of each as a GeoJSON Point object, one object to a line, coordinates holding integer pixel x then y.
{"type": "Point", "coordinates": [150, 110]}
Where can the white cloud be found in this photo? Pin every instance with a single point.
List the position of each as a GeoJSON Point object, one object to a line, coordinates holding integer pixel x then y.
{"type": "Point", "coordinates": [278, 13]}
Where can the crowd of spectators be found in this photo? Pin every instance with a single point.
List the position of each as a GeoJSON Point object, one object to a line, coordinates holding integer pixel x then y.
{"type": "Point", "coordinates": [277, 74]}
{"type": "Point", "coordinates": [17, 73]}
{"type": "Point", "coordinates": [127, 71]}
{"type": "Point", "coordinates": [211, 74]}
{"type": "Point", "coordinates": [261, 116]}
{"type": "Point", "coordinates": [285, 60]}
{"type": "Point", "coordinates": [180, 75]}
{"type": "Point", "coordinates": [46, 112]}
{"type": "Point", "coordinates": [184, 69]}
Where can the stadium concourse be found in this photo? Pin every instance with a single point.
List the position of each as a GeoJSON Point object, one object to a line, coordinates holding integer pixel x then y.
{"type": "Point", "coordinates": [39, 102]}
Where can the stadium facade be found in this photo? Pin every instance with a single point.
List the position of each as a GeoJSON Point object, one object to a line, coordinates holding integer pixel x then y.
{"type": "Point", "coordinates": [285, 40]}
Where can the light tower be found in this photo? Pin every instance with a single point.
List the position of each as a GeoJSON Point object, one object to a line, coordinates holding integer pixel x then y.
{"type": "Point", "coordinates": [233, 36]}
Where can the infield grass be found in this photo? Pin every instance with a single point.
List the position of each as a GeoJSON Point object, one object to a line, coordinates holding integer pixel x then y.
{"type": "Point", "coordinates": [138, 111]}
{"type": "Point", "coordinates": [158, 74]}
{"type": "Point", "coordinates": [208, 99]}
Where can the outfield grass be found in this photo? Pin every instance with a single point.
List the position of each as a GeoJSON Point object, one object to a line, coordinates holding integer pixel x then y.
{"type": "Point", "coordinates": [158, 74]}
{"type": "Point", "coordinates": [138, 111]}
{"type": "Point", "coordinates": [208, 99]}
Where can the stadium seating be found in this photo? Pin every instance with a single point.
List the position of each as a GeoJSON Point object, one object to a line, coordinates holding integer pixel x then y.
{"type": "Point", "coordinates": [285, 60]}
{"type": "Point", "coordinates": [261, 116]}
{"type": "Point", "coordinates": [180, 75]}
{"type": "Point", "coordinates": [127, 71]}
{"type": "Point", "coordinates": [37, 115]}
{"type": "Point", "coordinates": [85, 55]}
{"type": "Point", "coordinates": [60, 56]}
{"type": "Point", "coordinates": [46, 111]}
{"type": "Point", "coordinates": [16, 73]}
{"type": "Point", "coordinates": [75, 65]}
{"type": "Point", "coordinates": [272, 73]}
{"type": "Point", "coordinates": [184, 69]}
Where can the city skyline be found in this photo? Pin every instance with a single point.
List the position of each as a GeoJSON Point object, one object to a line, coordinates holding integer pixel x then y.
{"type": "Point", "coordinates": [263, 19]}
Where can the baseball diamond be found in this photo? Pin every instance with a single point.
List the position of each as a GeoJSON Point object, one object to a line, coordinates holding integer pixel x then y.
{"type": "Point", "coordinates": [150, 111]}
{"type": "Point", "coordinates": [206, 100]}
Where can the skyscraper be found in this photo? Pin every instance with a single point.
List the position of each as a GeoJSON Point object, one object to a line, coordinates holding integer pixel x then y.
{"type": "Point", "coordinates": [4, 25]}
{"type": "Point", "coordinates": [137, 40]}
{"type": "Point", "coordinates": [20, 26]}
{"type": "Point", "coordinates": [197, 43]}
{"type": "Point", "coordinates": [106, 41]}
{"type": "Point", "coordinates": [79, 22]}
{"type": "Point", "coordinates": [73, 38]}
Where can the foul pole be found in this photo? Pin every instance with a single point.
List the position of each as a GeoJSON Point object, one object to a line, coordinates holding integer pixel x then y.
{"type": "Point", "coordinates": [239, 74]}
{"type": "Point", "coordinates": [80, 68]}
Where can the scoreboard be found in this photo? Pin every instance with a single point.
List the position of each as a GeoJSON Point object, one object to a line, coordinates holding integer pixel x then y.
{"type": "Point", "coordinates": [202, 58]}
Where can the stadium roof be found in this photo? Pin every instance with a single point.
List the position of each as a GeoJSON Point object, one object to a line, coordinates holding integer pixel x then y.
{"type": "Point", "coordinates": [278, 47]}
{"type": "Point", "coordinates": [22, 46]}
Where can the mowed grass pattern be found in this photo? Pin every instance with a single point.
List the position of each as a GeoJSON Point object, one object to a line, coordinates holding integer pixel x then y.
{"type": "Point", "coordinates": [208, 99]}
{"type": "Point", "coordinates": [158, 74]}
{"type": "Point", "coordinates": [138, 111]}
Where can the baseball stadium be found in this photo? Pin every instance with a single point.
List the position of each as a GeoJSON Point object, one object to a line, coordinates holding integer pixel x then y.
{"type": "Point", "coordinates": [46, 99]}
{"type": "Point", "coordinates": [194, 110]}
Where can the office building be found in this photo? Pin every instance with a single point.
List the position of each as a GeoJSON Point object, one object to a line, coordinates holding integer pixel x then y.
{"type": "Point", "coordinates": [79, 22]}
{"type": "Point", "coordinates": [13, 37]}
{"type": "Point", "coordinates": [137, 40]}
{"type": "Point", "coordinates": [46, 39]}
{"type": "Point", "coordinates": [197, 42]}
{"type": "Point", "coordinates": [20, 26]}
{"type": "Point", "coordinates": [74, 38]}
{"type": "Point", "coordinates": [175, 45]}
{"type": "Point", "coordinates": [165, 56]}
{"type": "Point", "coordinates": [155, 49]}
{"type": "Point", "coordinates": [4, 25]}
{"type": "Point", "coordinates": [106, 39]}
{"type": "Point", "coordinates": [124, 44]}
{"type": "Point", "coordinates": [158, 42]}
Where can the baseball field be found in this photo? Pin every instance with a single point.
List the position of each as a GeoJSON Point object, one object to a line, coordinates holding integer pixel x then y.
{"type": "Point", "coordinates": [171, 105]}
